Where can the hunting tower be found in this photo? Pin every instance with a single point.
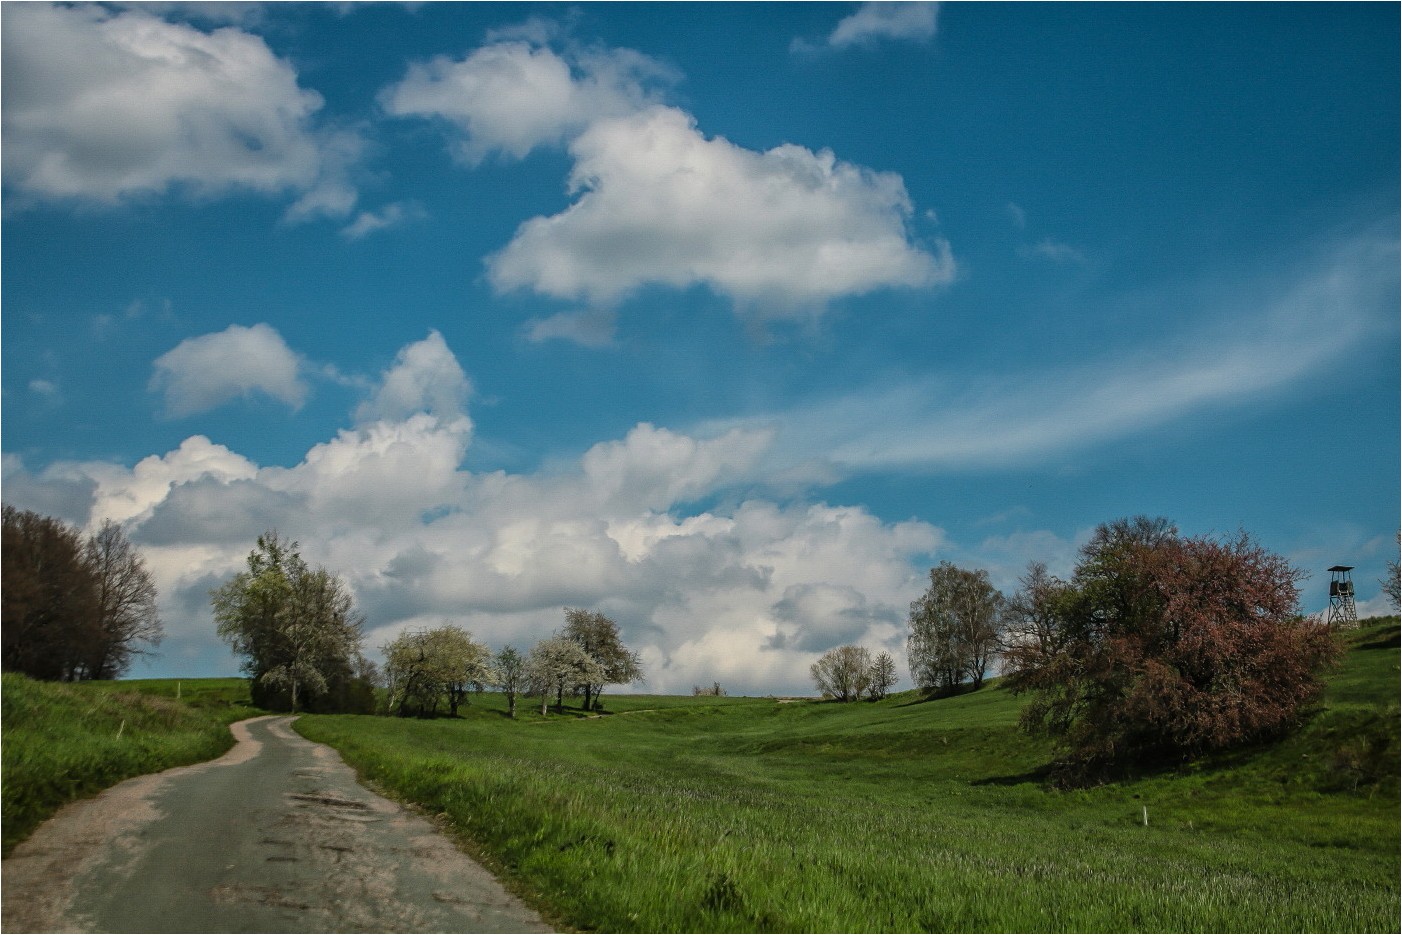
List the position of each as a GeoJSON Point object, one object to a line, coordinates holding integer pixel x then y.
{"type": "Point", "coordinates": [1342, 613]}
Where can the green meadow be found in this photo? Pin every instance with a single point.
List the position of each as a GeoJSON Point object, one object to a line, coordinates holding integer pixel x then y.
{"type": "Point", "coordinates": [748, 814]}
{"type": "Point", "coordinates": [67, 741]}
{"type": "Point", "coordinates": [673, 813]}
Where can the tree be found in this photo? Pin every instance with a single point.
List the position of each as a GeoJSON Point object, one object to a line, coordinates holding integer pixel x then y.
{"type": "Point", "coordinates": [295, 626]}
{"type": "Point", "coordinates": [74, 608]}
{"type": "Point", "coordinates": [509, 674]}
{"type": "Point", "coordinates": [48, 597]}
{"type": "Point", "coordinates": [424, 666]}
{"type": "Point", "coordinates": [557, 663]}
{"type": "Point", "coordinates": [125, 612]}
{"type": "Point", "coordinates": [954, 629]}
{"type": "Point", "coordinates": [1032, 623]}
{"type": "Point", "coordinates": [882, 676]}
{"type": "Point", "coordinates": [1392, 581]}
{"type": "Point", "coordinates": [1172, 647]}
{"type": "Point", "coordinates": [843, 672]}
{"type": "Point", "coordinates": [598, 636]}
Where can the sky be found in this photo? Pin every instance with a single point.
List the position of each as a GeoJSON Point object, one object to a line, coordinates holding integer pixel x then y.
{"type": "Point", "coordinates": [729, 321]}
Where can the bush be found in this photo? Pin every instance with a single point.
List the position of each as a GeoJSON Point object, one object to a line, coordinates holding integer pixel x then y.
{"type": "Point", "coordinates": [1173, 647]}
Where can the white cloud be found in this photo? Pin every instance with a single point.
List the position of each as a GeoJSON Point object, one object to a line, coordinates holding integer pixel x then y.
{"type": "Point", "coordinates": [658, 203]}
{"type": "Point", "coordinates": [928, 424]}
{"type": "Point", "coordinates": [426, 377]}
{"type": "Point", "coordinates": [873, 22]}
{"type": "Point", "coordinates": [47, 389]}
{"type": "Point", "coordinates": [207, 371]}
{"type": "Point", "coordinates": [104, 107]}
{"type": "Point", "coordinates": [747, 595]}
{"type": "Point", "coordinates": [589, 328]}
{"type": "Point", "coordinates": [390, 216]}
{"type": "Point", "coordinates": [513, 96]}
{"type": "Point", "coordinates": [1049, 249]}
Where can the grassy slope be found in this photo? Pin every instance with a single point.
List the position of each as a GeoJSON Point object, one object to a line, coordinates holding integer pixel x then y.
{"type": "Point", "coordinates": [748, 814]}
{"type": "Point", "coordinates": [66, 741]}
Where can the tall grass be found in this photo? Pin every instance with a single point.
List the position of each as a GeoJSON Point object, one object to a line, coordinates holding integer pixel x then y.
{"type": "Point", "coordinates": [752, 815]}
{"type": "Point", "coordinates": [66, 741]}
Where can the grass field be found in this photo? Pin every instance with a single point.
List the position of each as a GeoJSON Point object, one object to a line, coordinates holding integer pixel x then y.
{"type": "Point", "coordinates": [702, 814]}
{"type": "Point", "coordinates": [66, 741]}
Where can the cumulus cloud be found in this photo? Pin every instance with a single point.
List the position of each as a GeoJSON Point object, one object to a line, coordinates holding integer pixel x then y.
{"type": "Point", "coordinates": [204, 372]}
{"type": "Point", "coordinates": [659, 203]}
{"type": "Point", "coordinates": [105, 107]}
{"type": "Point", "coordinates": [425, 377]}
{"type": "Point", "coordinates": [874, 22]}
{"type": "Point", "coordinates": [510, 97]}
{"type": "Point", "coordinates": [747, 594]}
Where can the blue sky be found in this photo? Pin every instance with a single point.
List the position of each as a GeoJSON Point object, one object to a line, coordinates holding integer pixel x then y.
{"type": "Point", "coordinates": [728, 320]}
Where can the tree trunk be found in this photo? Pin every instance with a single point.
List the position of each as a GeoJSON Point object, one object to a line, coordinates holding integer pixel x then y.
{"type": "Point", "coordinates": [588, 697]}
{"type": "Point", "coordinates": [544, 702]}
{"type": "Point", "coordinates": [511, 704]}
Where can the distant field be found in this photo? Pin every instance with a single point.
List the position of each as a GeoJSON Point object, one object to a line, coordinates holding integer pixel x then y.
{"type": "Point", "coordinates": [731, 814]}
{"type": "Point", "coordinates": [67, 741]}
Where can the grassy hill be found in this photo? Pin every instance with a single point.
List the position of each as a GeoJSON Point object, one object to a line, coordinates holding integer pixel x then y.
{"type": "Point", "coordinates": [702, 814]}
{"type": "Point", "coordinates": [746, 814]}
{"type": "Point", "coordinates": [66, 741]}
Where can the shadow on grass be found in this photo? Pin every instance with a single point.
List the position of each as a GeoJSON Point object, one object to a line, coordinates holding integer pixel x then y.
{"type": "Point", "coordinates": [1041, 775]}
{"type": "Point", "coordinates": [941, 695]}
{"type": "Point", "coordinates": [1387, 638]}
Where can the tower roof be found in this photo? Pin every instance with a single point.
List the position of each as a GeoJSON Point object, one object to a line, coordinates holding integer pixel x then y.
{"type": "Point", "coordinates": [1342, 568]}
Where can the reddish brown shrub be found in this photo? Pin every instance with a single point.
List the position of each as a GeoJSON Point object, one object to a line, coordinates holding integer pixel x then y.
{"type": "Point", "coordinates": [1172, 647]}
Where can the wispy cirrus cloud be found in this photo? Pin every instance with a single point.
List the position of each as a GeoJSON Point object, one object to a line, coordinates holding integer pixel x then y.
{"type": "Point", "coordinates": [876, 22]}
{"type": "Point", "coordinates": [941, 423]}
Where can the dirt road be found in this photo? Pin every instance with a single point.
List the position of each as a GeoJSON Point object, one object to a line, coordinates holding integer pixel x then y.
{"type": "Point", "coordinates": [275, 836]}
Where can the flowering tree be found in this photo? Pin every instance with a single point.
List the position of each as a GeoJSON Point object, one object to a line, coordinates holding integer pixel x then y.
{"type": "Point", "coordinates": [1170, 647]}
{"type": "Point", "coordinates": [425, 666]}
{"type": "Point", "coordinates": [556, 664]}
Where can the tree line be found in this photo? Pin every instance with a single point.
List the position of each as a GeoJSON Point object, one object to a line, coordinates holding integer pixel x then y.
{"type": "Point", "coordinates": [72, 607]}
{"type": "Point", "coordinates": [300, 638]}
{"type": "Point", "coordinates": [1160, 647]}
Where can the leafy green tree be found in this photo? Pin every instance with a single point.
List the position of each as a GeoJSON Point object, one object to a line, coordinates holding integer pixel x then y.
{"type": "Point", "coordinates": [295, 627]}
{"type": "Point", "coordinates": [1171, 647]}
{"type": "Point", "coordinates": [598, 636]}
{"type": "Point", "coordinates": [843, 672]}
{"type": "Point", "coordinates": [954, 629]}
{"type": "Point", "coordinates": [424, 666]}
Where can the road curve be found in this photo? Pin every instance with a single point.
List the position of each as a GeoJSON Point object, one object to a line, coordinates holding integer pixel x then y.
{"type": "Point", "coordinates": [274, 836]}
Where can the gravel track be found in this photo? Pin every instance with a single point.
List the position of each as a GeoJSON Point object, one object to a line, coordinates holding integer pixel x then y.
{"type": "Point", "coordinates": [275, 836]}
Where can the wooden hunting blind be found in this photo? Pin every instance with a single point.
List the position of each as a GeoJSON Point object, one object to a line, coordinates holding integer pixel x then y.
{"type": "Point", "coordinates": [1342, 612]}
